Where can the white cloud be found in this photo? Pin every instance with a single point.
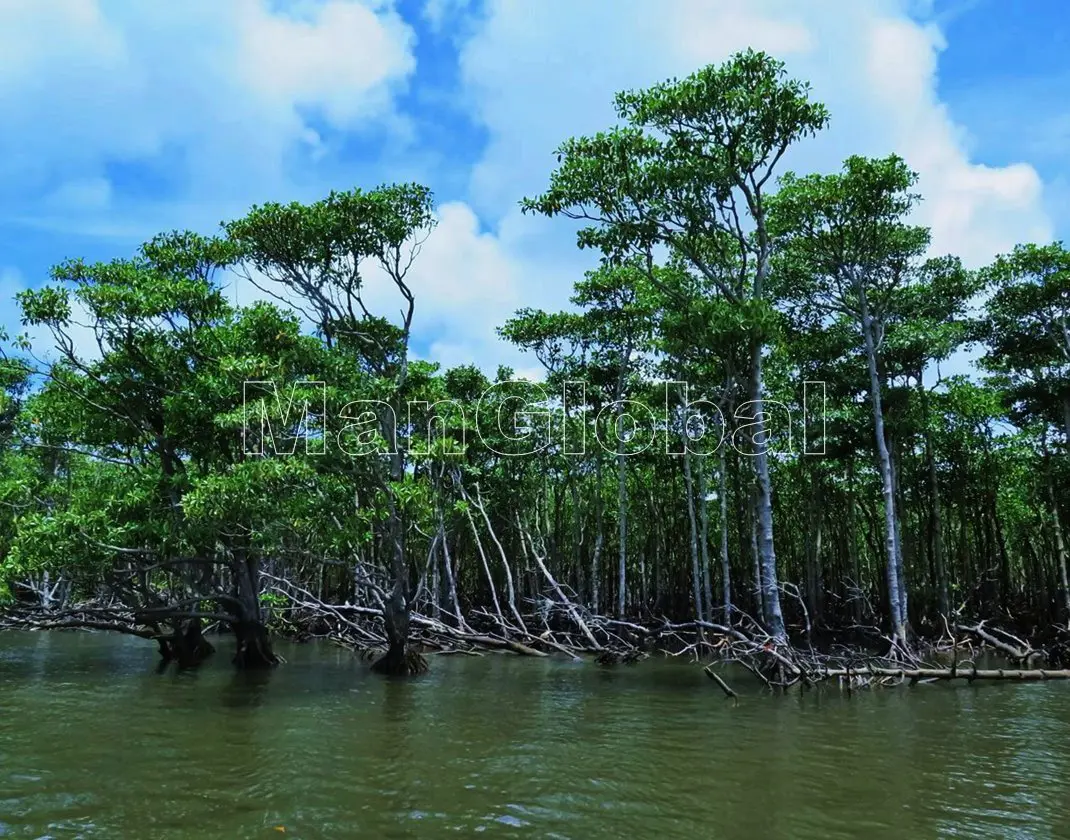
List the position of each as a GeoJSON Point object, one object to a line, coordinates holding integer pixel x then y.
{"type": "Point", "coordinates": [215, 95]}
{"type": "Point", "coordinates": [338, 57]}
{"type": "Point", "coordinates": [81, 194]}
{"type": "Point", "coordinates": [535, 74]}
{"type": "Point", "coordinates": [467, 283]}
{"type": "Point", "coordinates": [538, 75]}
{"type": "Point", "coordinates": [438, 13]}
{"type": "Point", "coordinates": [975, 211]}
{"type": "Point", "coordinates": [223, 93]}
{"type": "Point", "coordinates": [465, 286]}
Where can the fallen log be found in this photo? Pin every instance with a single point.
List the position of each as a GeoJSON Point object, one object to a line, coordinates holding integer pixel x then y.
{"type": "Point", "coordinates": [968, 674]}
{"type": "Point", "coordinates": [493, 643]}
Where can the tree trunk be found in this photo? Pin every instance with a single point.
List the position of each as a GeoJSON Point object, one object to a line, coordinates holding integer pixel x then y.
{"type": "Point", "coordinates": [510, 591]}
{"type": "Point", "coordinates": [622, 518]}
{"type": "Point", "coordinates": [852, 549]}
{"type": "Point", "coordinates": [759, 590]}
{"type": "Point", "coordinates": [451, 581]}
{"type": "Point", "coordinates": [696, 587]}
{"type": "Point", "coordinates": [891, 545]}
{"type": "Point", "coordinates": [936, 514]}
{"type": "Point", "coordinates": [600, 534]}
{"type": "Point", "coordinates": [486, 564]}
{"type": "Point", "coordinates": [900, 561]}
{"type": "Point", "coordinates": [726, 569]}
{"type": "Point", "coordinates": [1060, 545]}
{"type": "Point", "coordinates": [704, 536]}
{"type": "Point", "coordinates": [774, 616]}
{"type": "Point", "coordinates": [398, 660]}
{"type": "Point", "coordinates": [187, 648]}
{"type": "Point", "coordinates": [254, 645]}
{"type": "Point", "coordinates": [577, 538]}
{"type": "Point", "coordinates": [813, 571]}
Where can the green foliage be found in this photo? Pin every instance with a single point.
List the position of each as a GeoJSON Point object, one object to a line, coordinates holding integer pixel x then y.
{"type": "Point", "coordinates": [130, 467]}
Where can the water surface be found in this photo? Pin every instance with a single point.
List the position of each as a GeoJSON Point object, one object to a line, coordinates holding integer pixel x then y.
{"type": "Point", "coordinates": [95, 744]}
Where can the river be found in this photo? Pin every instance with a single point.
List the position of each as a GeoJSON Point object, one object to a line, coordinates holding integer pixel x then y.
{"type": "Point", "coordinates": [95, 744]}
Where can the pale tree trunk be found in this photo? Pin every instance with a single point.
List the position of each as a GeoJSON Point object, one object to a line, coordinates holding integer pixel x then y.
{"type": "Point", "coordinates": [774, 616]}
{"type": "Point", "coordinates": [704, 535]}
{"type": "Point", "coordinates": [540, 561]}
{"type": "Point", "coordinates": [759, 590]}
{"type": "Point", "coordinates": [891, 544]}
{"type": "Point", "coordinates": [813, 553]}
{"type": "Point", "coordinates": [900, 563]}
{"type": "Point", "coordinates": [622, 486]}
{"type": "Point", "coordinates": [1060, 547]}
{"type": "Point", "coordinates": [852, 550]}
{"type": "Point", "coordinates": [726, 568]}
{"type": "Point", "coordinates": [622, 515]}
{"type": "Point", "coordinates": [510, 591]}
{"type": "Point", "coordinates": [695, 577]}
{"type": "Point", "coordinates": [486, 563]}
{"type": "Point", "coordinates": [451, 581]}
{"type": "Point", "coordinates": [1059, 542]}
{"type": "Point", "coordinates": [600, 535]}
{"type": "Point", "coordinates": [577, 538]}
{"type": "Point", "coordinates": [447, 563]}
{"type": "Point", "coordinates": [770, 587]}
{"type": "Point", "coordinates": [436, 579]}
{"type": "Point", "coordinates": [642, 583]}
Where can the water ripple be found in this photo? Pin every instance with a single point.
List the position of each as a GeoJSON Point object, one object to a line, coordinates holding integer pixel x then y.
{"type": "Point", "coordinates": [94, 744]}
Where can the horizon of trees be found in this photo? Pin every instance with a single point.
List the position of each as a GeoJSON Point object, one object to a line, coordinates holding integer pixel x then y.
{"type": "Point", "coordinates": [127, 479]}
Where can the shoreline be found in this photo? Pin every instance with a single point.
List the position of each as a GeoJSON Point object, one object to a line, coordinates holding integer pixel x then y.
{"type": "Point", "coordinates": [836, 656]}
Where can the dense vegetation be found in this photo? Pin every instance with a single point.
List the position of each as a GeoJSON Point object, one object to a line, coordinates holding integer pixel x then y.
{"type": "Point", "coordinates": [138, 495]}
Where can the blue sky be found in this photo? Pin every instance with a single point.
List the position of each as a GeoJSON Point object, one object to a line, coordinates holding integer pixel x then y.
{"type": "Point", "coordinates": [123, 118]}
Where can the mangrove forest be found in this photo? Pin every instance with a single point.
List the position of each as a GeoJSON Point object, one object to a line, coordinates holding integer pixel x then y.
{"type": "Point", "coordinates": [745, 444]}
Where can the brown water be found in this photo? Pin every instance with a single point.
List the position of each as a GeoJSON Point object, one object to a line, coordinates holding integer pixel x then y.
{"type": "Point", "coordinates": [95, 744]}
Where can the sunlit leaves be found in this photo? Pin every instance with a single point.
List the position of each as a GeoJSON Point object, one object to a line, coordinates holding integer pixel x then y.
{"type": "Point", "coordinates": [689, 169]}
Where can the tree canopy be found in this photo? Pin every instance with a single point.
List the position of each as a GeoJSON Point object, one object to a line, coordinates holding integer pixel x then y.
{"type": "Point", "coordinates": [173, 462]}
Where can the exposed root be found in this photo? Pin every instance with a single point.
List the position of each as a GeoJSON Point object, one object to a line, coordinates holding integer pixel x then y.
{"type": "Point", "coordinates": [400, 662]}
{"type": "Point", "coordinates": [618, 657]}
{"type": "Point", "coordinates": [559, 625]}
{"type": "Point", "coordinates": [187, 647]}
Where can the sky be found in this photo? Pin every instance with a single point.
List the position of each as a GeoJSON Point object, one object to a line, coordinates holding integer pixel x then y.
{"type": "Point", "coordinates": [124, 118]}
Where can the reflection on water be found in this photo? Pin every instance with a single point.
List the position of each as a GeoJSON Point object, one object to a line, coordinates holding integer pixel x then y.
{"type": "Point", "coordinates": [95, 744]}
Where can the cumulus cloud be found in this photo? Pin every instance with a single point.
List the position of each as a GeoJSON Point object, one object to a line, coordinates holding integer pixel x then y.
{"type": "Point", "coordinates": [198, 109]}
{"type": "Point", "coordinates": [535, 74]}
{"type": "Point", "coordinates": [200, 103]}
{"type": "Point", "coordinates": [336, 57]}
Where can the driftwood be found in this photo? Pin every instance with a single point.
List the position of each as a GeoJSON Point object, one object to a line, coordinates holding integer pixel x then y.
{"type": "Point", "coordinates": [724, 686]}
{"type": "Point", "coordinates": [572, 630]}
{"type": "Point", "coordinates": [1015, 649]}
